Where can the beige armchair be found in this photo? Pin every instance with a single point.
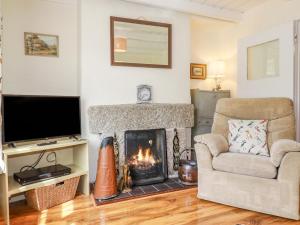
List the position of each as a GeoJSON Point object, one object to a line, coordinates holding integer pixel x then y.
{"type": "Point", "coordinates": [264, 184]}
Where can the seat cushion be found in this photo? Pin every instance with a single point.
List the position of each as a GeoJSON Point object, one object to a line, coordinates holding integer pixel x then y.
{"type": "Point", "coordinates": [245, 164]}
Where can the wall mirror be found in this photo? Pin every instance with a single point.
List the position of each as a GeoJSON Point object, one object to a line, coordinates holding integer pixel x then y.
{"type": "Point", "coordinates": [263, 60]}
{"type": "Point", "coordinates": [140, 43]}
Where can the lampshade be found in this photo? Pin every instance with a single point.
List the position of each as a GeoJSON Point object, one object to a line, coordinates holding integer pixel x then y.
{"type": "Point", "coordinates": [216, 69]}
{"type": "Point", "coordinates": [120, 44]}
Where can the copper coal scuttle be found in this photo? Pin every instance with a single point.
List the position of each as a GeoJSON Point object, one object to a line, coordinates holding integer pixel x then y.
{"type": "Point", "coordinates": [188, 171]}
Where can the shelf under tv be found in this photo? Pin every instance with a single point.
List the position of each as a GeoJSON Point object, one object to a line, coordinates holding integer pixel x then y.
{"type": "Point", "coordinates": [75, 154]}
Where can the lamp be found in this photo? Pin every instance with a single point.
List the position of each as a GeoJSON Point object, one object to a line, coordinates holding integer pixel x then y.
{"type": "Point", "coordinates": [216, 71]}
{"type": "Point", "coordinates": [120, 44]}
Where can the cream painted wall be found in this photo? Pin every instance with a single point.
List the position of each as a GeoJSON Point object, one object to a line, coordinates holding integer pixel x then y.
{"type": "Point", "coordinates": [102, 83]}
{"type": "Point", "coordinates": [40, 75]}
{"type": "Point", "coordinates": [274, 19]}
{"type": "Point", "coordinates": [213, 40]}
{"type": "Point", "coordinates": [268, 15]}
{"type": "Point", "coordinates": [279, 86]}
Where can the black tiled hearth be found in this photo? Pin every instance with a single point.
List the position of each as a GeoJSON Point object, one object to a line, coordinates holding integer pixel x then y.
{"type": "Point", "coordinates": [142, 191]}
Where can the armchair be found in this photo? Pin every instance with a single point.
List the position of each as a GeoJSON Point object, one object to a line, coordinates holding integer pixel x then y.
{"type": "Point", "coordinates": [264, 184]}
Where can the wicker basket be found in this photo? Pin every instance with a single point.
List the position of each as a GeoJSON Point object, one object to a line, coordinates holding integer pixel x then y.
{"type": "Point", "coordinates": [46, 197]}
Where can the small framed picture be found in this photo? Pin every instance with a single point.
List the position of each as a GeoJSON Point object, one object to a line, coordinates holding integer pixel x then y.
{"type": "Point", "coordinates": [198, 71]}
{"type": "Point", "coordinates": [41, 44]}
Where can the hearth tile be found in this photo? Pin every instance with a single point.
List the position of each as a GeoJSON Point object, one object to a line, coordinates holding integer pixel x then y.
{"type": "Point", "coordinates": [149, 189]}
{"type": "Point", "coordinates": [137, 191]}
{"type": "Point", "coordinates": [161, 187]}
{"type": "Point", "coordinates": [170, 180]}
{"type": "Point", "coordinates": [175, 185]}
{"type": "Point", "coordinates": [123, 195]}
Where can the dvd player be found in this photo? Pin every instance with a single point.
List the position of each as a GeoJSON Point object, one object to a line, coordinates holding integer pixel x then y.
{"type": "Point", "coordinates": [40, 174]}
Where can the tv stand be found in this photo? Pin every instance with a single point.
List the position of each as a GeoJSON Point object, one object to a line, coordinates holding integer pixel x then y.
{"type": "Point", "coordinates": [47, 143]}
{"type": "Point", "coordinates": [75, 156]}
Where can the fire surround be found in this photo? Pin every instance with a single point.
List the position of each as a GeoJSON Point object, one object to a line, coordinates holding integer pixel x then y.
{"type": "Point", "coordinates": [110, 119]}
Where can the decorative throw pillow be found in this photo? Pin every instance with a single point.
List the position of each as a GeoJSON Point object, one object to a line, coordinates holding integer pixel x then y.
{"type": "Point", "coordinates": [248, 136]}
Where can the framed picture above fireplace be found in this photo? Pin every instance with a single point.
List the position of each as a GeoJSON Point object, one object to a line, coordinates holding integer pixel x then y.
{"type": "Point", "coordinates": [140, 43]}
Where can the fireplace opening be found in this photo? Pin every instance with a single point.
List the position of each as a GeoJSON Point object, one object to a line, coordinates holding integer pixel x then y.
{"type": "Point", "coordinates": [146, 155]}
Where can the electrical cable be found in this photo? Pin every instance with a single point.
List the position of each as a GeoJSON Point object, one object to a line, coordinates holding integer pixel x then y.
{"type": "Point", "coordinates": [41, 155]}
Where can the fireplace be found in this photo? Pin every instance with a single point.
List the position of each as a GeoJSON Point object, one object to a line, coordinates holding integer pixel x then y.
{"type": "Point", "coordinates": [146, 155]}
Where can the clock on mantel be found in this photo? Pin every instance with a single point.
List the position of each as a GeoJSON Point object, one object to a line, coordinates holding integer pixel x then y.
{"type": "Point", "coordinates": [144, 94]}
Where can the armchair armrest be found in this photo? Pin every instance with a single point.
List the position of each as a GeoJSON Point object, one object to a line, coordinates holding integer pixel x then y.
{"type": "Point", "coordinates": [204, 157]}
{"type": "Point", "coordinates": [282, 147]}
{"type": "Point", "coordinates": [216, 143]}
{"type": "Point", "coordinates": [289, 170]}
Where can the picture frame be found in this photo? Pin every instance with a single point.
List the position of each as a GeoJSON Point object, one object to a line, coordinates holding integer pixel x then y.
{"type": "Point", "coordinates": [140, 43]}
{"type": "Point", "coordinates": [37, 44]}
{"type": "Point", "coordinates": [198, 71]}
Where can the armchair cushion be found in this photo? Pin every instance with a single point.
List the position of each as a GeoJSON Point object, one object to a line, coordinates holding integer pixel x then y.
{"type": "Point", "coordinates": [216, 143]}
{"type": "Point", "coordinates": [282, 147]}
{"type": "Point", "coordinates": [245, 164]}
{"type": "Point", "coordinates": [248, 136]}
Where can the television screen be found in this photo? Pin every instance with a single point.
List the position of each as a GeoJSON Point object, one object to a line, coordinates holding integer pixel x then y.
{"type": "Point", "coordinates": [38, 117]}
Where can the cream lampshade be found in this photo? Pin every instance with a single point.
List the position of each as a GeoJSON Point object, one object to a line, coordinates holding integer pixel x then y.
{"type": "Point", "coordinates": [216, 71]}
{"type": "Point", "coordinates": [120, 44]}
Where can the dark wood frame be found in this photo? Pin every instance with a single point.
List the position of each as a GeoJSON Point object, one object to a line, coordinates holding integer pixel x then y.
{"type": "Point", "coordinates": [143, 22]}
{"type": "Point", "coordinates": [193, 76]}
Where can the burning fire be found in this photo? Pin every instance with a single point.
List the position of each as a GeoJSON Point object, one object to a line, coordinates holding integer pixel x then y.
{"type": "Point", "coordinates": [143, 157]}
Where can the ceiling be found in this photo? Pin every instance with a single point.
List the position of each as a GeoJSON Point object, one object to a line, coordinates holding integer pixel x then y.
{"type": "Point", "coordinates": [231, 10]}
{"type": "Point", "coordinates": [235, 5]}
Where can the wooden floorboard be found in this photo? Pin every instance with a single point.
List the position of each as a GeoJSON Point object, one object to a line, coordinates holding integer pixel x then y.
{"type": "Point", "coordinates": [176, 208]}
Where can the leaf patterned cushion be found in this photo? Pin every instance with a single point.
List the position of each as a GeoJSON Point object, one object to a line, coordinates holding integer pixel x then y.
{"type": "Point", "coordinates": [248, 136]}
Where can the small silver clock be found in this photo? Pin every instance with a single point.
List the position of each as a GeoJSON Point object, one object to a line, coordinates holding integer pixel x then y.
{"type": "Point", "coordinates": [144, 94]}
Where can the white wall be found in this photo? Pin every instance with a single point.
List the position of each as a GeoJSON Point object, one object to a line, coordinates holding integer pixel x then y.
{"type": "Point", "coordinates": [102, 83]}
{"type": "Point", "coordinates": [219, 40]}
{"type": "Point", "coordinates": [268, 15]}
{"type": "Point", "coordinates": [33, 74]}
{"type": "Point", "coordinates": [274, 19]}
{"type": "Point", "coordinates": [213, 40]}
{"type": "Point", "coordinates": [279, 86]}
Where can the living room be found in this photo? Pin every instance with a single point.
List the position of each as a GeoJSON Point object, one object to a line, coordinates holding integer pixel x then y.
{"type": "Point", "coordinates": [139, 81]}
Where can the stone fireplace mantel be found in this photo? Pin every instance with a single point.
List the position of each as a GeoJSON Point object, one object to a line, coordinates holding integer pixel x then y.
{"type": "Point", "coordinates": [109, 119]}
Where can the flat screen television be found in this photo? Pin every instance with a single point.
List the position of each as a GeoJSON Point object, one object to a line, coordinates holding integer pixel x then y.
{"type": "Point", "coordinates": [39, 117]}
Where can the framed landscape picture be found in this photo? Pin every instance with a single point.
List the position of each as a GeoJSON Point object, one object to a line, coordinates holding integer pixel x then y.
{"type": "Point", "coordinates": [198, 71]}
{"type": "Point", "coordinates": [41, 44]}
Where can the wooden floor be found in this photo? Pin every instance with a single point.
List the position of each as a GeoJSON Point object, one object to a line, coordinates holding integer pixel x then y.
{"type": "Point", "coordinates": [181, 207]}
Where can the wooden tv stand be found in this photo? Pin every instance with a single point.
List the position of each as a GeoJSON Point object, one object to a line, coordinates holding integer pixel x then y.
{"type": "Point", "coordinates": [75, 156]}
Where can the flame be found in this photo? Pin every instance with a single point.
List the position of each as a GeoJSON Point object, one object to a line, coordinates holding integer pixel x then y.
{"type": "Point", "coordinates": [143, 157]}
{"type": "Point", "coordinates": [140, 156]}
{"type": "Point", "coordinates": [149, 157]}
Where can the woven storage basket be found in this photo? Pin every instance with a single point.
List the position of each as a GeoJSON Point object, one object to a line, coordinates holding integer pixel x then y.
{"type": "Point", "coordinates": [46, 197]}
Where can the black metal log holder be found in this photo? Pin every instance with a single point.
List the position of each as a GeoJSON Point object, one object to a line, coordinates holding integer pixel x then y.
{"type": "Point", "coordinates": [176, 149]}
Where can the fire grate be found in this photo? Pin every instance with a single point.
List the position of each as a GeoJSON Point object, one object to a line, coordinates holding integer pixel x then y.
{"type": "Point", "coordinates": [146, 155]}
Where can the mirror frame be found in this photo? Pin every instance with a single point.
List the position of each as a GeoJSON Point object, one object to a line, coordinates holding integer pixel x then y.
{"type": "Point", "coordinates": [142, 22]}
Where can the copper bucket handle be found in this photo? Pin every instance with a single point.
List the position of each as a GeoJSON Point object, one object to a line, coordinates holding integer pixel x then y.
{"type": "Point", "coordinates": [186, 150]}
